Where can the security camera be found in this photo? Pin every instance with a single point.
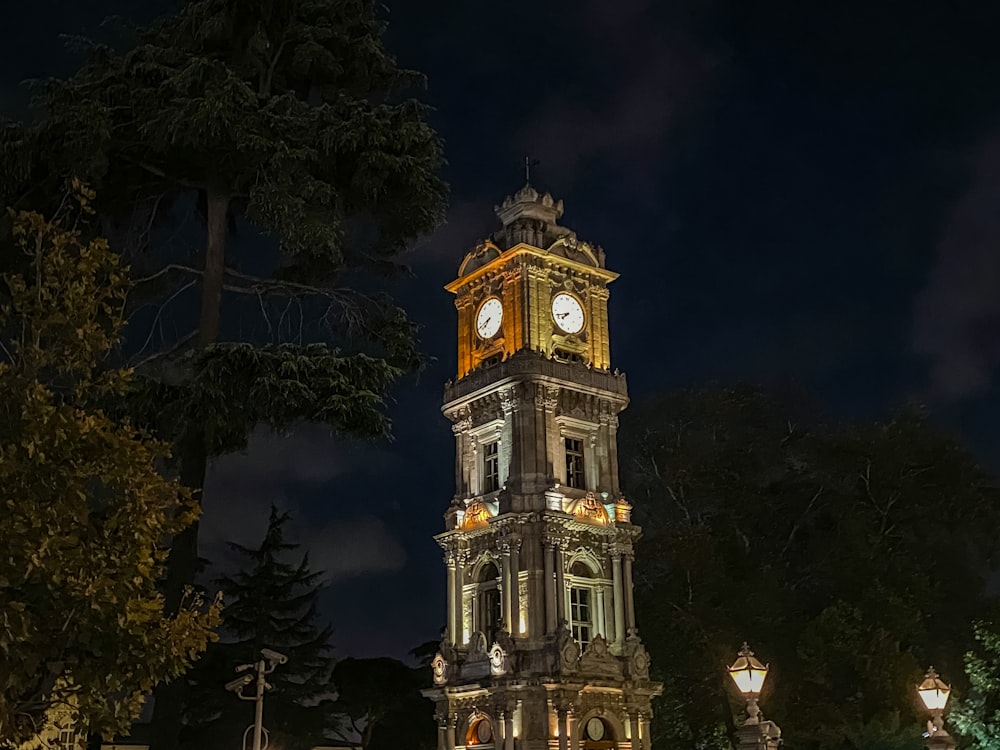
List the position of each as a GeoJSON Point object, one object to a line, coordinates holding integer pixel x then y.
{"type": "Point", "coordinates": [235, 686]}
{"type": "Point", "coordinates": [273, 656]}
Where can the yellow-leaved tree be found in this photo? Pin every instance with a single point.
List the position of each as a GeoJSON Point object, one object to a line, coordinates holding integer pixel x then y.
{"type": "Point", "coordinates": [85, 513]}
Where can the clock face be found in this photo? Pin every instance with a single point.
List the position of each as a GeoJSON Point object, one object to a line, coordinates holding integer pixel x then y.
{"type": "Point", "coordinates": [595, 729]}
{"type": "Point", "coordinates": [567, 313]}
{"type": "Point", "coordinates": [489, 317]}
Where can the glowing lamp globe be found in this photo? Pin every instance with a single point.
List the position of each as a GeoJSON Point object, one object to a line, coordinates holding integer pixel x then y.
{"type": "Point", "coordinates": [933, 692]}
{"type": "Point", "coordinates": [748, 673]}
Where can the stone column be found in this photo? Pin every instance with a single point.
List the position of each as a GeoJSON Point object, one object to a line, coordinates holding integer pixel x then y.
{"type": "Point", "coordinates": [508, 728]}
{"type": "Point", "coordinates": [602, 623]}
{"type": "Point", "coordinates": [458, 596]}
{"type": "Point", "coordinates": [514, 624]}
{"type": "Point", "coordinates": [613, 454]}
{"type": "Point", "coordinates": [550, 596]}
{"type": "Point", "coordinates": [560, 583]}
{"type": "Point", "coordinates": [505, 588]}
{"type": "Point", "coordinates": [450, 732]}
{"type": "Point", "coordinates": [563, 728]}
{"type": "Point", "coordinates": [453, 634]}
{"type": "Point", "coordinates": [619, 597]}
{"type": "Point", "coordinates": [633, 728]}
{"type": "Point", "coordinates": [646, 740]}
{"type": "Point", "coordinates": [629, 597]}
{"type": "Point", "coordinates": [442, 722]}
{"type": "Point", "coordinates": [498, 735]}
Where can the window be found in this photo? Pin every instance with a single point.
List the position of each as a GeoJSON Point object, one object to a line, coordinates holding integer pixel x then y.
{"type": "Point", "coordinates": [489, 612]}
{"type": "Point", "coordinates": [574, 463]}
{"type": "Point", "coordinates": [491, 467]}
{"type": "Point", "coordinates": [579, 615]}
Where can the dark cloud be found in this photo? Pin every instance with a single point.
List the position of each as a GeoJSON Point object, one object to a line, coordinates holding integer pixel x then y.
{"type": "Point", "coordinates": [241, 488]}
{"type": "Point", "coordinates": [467, 222]}
{"type": "Point", "coordinates": [957, 319]}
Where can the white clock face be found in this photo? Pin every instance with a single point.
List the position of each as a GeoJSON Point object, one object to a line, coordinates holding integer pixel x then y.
{"type": "Point", "coordinates": [595, 729]}
{"type": "Point", "coordinates": [489, 318]}
{"type": "Point", "coordinates": [567, 313]}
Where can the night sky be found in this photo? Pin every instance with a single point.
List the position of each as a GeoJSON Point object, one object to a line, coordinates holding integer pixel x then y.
{"type": "Point", "coordinates": [792, 191]}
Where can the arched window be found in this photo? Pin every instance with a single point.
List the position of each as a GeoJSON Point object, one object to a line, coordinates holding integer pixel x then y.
{"type": "Point", "coordinates": [488, 608]}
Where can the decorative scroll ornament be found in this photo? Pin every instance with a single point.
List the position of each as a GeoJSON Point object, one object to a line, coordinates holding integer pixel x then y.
{"type": "Point", "coordinates": [590, 510]}
{"type": "Point", "coordinates": [498, 660]}
{"type": "Point", "coordinates": [440, 669]}
{"type": "Point", "coordinates": [476, 515]}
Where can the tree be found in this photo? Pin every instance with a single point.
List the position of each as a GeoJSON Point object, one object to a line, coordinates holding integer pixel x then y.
{"type": "Point", "coordinates": [281, 119]}
{"type": "Point", "coordinates": [271, 602]}
{"type": "Point", "coordinates": [849, 555]}
{"type": "Point", "coordinates": [85, 510]}
{"type": "Point", "coordinates": [381, 707]}
{"type": "Point", "coordinates": [976, 716]}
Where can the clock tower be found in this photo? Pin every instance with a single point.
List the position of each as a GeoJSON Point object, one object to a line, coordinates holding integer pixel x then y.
{"type": "Point", "coordinates": [541, 650]}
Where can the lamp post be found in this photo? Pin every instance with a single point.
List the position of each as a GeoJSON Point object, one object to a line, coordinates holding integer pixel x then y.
{"type": "Point", "coordinates": [934, 694]}
{"type": "Point", "coordinates": [263, 667]}
{"type": "Point", "coordinates": [749, 674]}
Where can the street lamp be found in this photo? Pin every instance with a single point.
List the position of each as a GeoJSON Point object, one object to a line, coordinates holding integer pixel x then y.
{"type": "Point", "coordinates": [749, 675]}
{"type": "Point", "coordinates": [934, 694]}
{"type": "Point", "coordinates": [264, 666]}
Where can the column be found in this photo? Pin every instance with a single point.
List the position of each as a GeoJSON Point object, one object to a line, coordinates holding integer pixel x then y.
{"type": "Point", "coordinates": [633, 728]}
{"type": "Point", "coordinates": [563, 729]}
{"type": "Point", "coordinates": [644, 731]}
{"type": "Point", "coordinates": [629, 598]}
{"type": "Point", "coordinates": [450, 732]}
{"type": "Point", "coordinates": [505, 590]}
{"type": "Point", "coordinates": [498, 735]}
{"type": "Point", "coordinates": [571, 731]}
{"type": "Point", "coordinates": [560, 585]}
{"type": "Point", "coordinates": [442, 722]}
{"type": "Point", "coordinates": [508, 728]}
{"type": "Point", "coordinates": [619, 597]}
{"type": "Point", "coordinates": [459, 604]}
{"type": "Point", "coordinates": [514, 626]}
{"type": "Point", "coordinates": [602, 623]}
{"type": "Point", "coordinates": [550, 597]}
{"type": "Point", "coordinates": [454, 635]}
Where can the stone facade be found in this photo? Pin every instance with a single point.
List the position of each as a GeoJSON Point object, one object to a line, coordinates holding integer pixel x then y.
{"type": "Point", "coordinates": [541, 648]}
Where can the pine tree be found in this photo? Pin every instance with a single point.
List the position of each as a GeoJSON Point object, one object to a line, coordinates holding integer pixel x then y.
{"type": "Point", "coordinates": [270, 602]}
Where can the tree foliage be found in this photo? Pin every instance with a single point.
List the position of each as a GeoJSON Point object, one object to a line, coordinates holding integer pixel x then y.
{"type": "Point", "coordinates": [271, 602]}
{"type": "Point", "coordinates": [976, 716]}
{"type": "Point", "coordinates": [283, 121]}
{"type": "Point", "coordinates": [85, 511]}
{"type": "Point", "coordinates": [849, 556]}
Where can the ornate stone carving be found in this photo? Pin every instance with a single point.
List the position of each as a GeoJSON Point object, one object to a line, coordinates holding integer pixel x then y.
{"type": "Point", "coordinates": [568, 650]}
{"type": "Point", "coordinates": [477, 648]}
{"type": "Point", "coordinates": [597, 659]}
{"type": "Point", "coordinates": [440, 669]}
{"type": "Point", "coordinates": [635, 656]}
{"type": "Point", "coordinates": [498, 660]}
{"type": "Point", "coordinates": [590, 510]}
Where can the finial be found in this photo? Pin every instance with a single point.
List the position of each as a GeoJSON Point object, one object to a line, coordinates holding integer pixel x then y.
{"type": "Point", "coordinates": [528, 164]}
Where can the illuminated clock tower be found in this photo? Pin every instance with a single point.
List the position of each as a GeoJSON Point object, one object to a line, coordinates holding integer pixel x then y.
{"type": "Point", "coordinates": [541, 649]}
